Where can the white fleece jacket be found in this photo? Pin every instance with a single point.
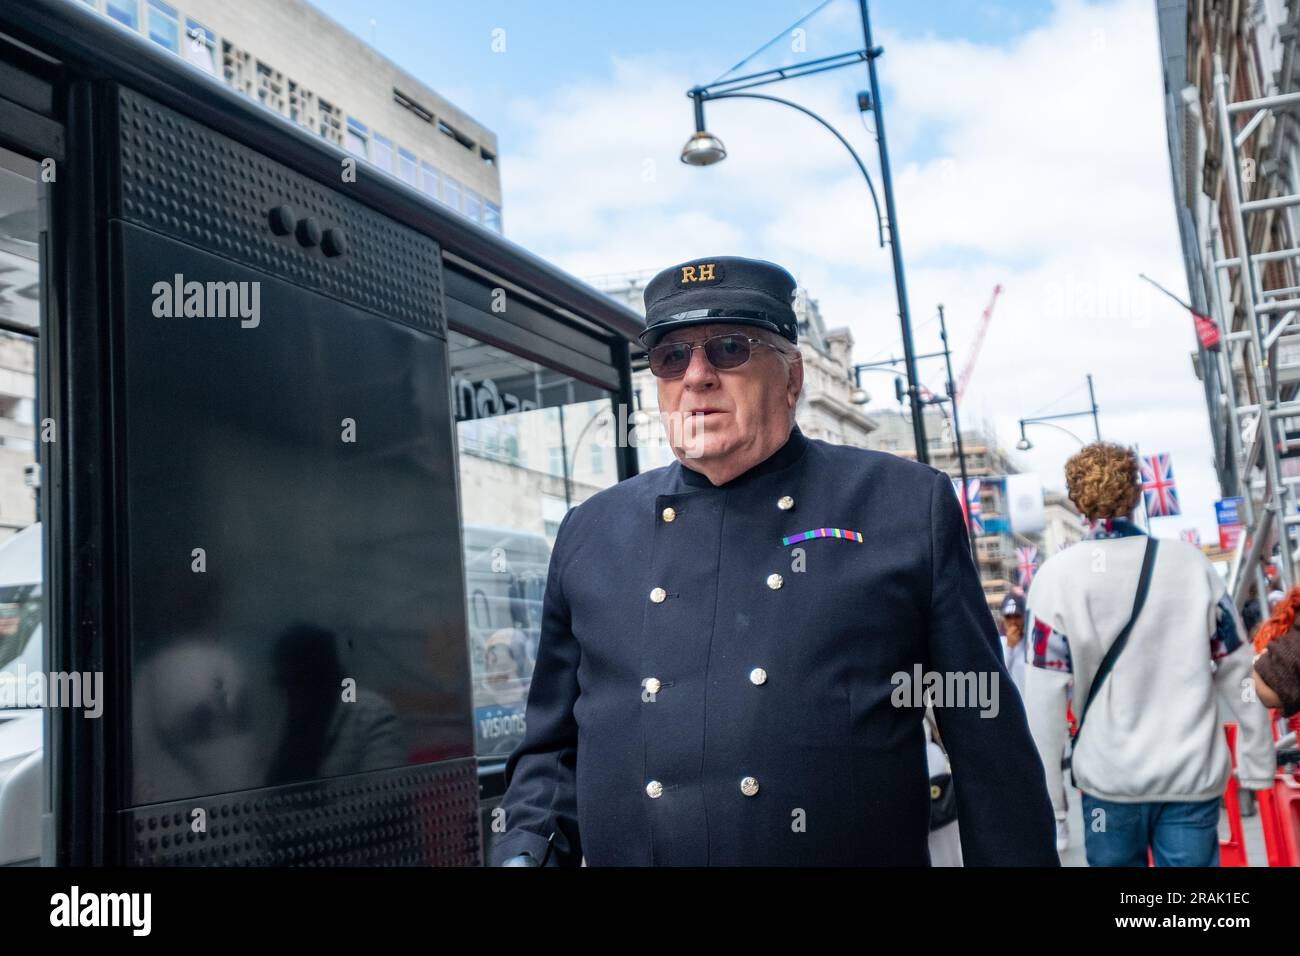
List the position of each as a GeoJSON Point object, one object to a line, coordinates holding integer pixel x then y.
{"type": "Point", "coordinates": [1152, 733]}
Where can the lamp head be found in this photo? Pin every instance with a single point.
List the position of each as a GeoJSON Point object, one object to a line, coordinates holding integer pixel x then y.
{"type": "Point", "coordinates": [703, 149]}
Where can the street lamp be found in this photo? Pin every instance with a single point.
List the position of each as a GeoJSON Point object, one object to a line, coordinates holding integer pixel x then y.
{"type": "Point", "coordinates": [860, 396]}
{"type": "Point", "coordinates": [705, 149]}
{"type": "Point", "coordinates": [1025, 444]}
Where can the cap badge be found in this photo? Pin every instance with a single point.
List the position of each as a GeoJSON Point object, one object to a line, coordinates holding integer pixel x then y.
{"type": "Point", "coordinates": [701, 273]}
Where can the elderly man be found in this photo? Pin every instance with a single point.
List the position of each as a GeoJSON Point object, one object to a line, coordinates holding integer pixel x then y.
{"type": "Point", "coordinates": [733, 647]}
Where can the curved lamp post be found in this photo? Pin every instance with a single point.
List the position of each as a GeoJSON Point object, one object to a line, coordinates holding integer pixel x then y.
{"type": "Point", "coordinates": [705, 149]}
{"type": "Point", "coordinates": [1025, 444]}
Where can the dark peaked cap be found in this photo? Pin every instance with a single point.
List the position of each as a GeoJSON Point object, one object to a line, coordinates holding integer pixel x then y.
{"type": "Point", "coordinates": [722, 289]}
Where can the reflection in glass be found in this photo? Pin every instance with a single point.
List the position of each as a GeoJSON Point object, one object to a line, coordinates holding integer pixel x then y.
{"type": "Point", "coordinates": [525, 434]}
{"type": "Point", "coordinates": [23, 794]}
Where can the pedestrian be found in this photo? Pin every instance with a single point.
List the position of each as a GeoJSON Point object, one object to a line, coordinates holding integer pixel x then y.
{"type": "Point", "coordinates": [1250, 612]}
{"type": "Point", "coordinates": [945, 837]}
{"type": "Point", "coordinates": [1013, 631]}
{"type": "Point", "coordinates": [1277, 666]}
{"type": "Point", "coordinates": [725, 674]}
{"type": "Point", "coordinates": [1015, 654]}
{"type": "Point", "coordinates": [1150, 638]}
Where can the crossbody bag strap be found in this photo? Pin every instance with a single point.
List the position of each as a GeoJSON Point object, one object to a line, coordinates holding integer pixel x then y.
{"type": "Point", "coordinates": [1115, 649]}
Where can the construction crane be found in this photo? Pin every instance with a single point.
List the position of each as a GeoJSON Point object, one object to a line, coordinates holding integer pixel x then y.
{"type": "Point", "coordinates": [964, 377]}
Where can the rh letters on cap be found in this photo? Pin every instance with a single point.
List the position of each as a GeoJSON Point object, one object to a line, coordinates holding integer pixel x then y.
{"type": "Point", "coordinates": [701, 273]}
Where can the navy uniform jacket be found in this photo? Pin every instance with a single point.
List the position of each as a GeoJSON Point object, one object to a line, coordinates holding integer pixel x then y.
{"type": "Point", "coordinates": [698, 700]}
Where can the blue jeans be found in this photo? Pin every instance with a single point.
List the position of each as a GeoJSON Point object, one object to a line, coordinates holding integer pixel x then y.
{"type": "Point", "coordinates": [1179, 834]}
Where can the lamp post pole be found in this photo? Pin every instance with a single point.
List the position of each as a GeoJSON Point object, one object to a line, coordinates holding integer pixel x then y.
{"type": "Point", "coordinates": [1092, 401]}
{"type": "Point", "coordinates": [900, 284]}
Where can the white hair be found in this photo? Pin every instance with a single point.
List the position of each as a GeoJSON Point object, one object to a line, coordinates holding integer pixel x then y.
{"type": "Point", "coordinates": [780, 344]}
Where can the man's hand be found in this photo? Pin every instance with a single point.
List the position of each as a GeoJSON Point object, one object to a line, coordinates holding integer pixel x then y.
{"type": "Point", "coordinates": [1267, 696]}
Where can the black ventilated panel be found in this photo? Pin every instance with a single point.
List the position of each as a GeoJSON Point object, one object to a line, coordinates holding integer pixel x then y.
{"type": "Point", "coordinates": [182, 179]}
{"type": "Point", "coordinates": [421, 816]}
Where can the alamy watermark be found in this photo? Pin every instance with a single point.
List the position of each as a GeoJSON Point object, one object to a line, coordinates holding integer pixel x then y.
{"type": "Point", "coordinates": [946, 689]}
{"type": "Point", "coordinates": [21, 688]}
{"type": "Point", "coordinates": [208, 300]}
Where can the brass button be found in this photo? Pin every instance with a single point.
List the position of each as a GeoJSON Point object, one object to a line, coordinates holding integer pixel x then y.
{"type": "Point", "coordinates": [654, 789]}
{"type": "Point", "coordinates": [658, 595]}
{"type": "Point", "coordinates": [749, 786]}
{"type": "Point", "coordinates": [669, 515]}
{"type": "Point", "coordinates": [935, 791]}
{"type": "Point", "coordinates": [758, 677]}
{"type": "Point", "coordinates": [785, 502]}
{"type": "Point", "coordinates": [652, 685]}
{"type": "Point", "coordinates": [774, 581]}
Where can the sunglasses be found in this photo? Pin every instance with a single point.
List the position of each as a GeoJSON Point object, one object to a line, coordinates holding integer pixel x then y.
{"type": "Point", "coordinates": [727, 351]}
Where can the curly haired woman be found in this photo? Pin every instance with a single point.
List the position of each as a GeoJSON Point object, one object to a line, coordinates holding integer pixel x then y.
{"type": "Point", "coordinates": [1150, 758]}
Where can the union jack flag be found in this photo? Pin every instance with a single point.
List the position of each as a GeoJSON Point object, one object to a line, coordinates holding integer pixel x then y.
{"type": "Point", "coordinates": [1158, 485]}
{"type": "Point", "coordinates": [970, 507]}
{"type": "Point", "coordinates": [1026, 564]}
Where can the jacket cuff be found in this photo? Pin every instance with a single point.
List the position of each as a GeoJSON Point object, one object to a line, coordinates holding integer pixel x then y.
{"type": "Point", "coordinates": [520, 841]}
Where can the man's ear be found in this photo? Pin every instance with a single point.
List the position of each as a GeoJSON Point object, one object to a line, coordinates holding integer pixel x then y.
{"type": "Point", "coordinates": [795, 384]}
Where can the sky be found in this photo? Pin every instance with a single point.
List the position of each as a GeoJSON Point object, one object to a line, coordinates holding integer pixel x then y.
{"type": "Point", "coordinates": [1027, 144]}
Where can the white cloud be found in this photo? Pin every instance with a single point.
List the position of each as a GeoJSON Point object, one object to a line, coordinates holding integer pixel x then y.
{"type": "Point", "coordinates": [1040, 164]}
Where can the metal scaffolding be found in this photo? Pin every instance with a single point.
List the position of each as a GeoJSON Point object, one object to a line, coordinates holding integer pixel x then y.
{"type": "Point", "coordinates": [1268, 315]}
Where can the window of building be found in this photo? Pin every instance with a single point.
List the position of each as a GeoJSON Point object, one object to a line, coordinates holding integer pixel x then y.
{"type": "Point", "coordinates": [451, 192]}
{"type": "Point", "coordinates": [473, 205]}
{"type": "Point", "coordinates": [237, 68]}
{"type": "Point", "coordinates": [164, 26]}
{"type": "Point", "coordinates": [200, 47]}
{"type": "Point", "coordinates": [331, 122]}
{"type": "Point", "coordinates": [302, 106]}
{"type": "Point", "coordinates": [447, 129]}
{"type": "Point", "coordinates": [489, 158]}
{"type": "Point", "coordinates": [430, 181]}
{"type": "Point", "coordinates": [410, 104]}
{"type": "Point", "coordinates": [125, 12]}
{"type": "Point", "coordinates": [381, 152]}
{"type": "Point", "coordinates": [408, 167]}
{"type": "Point", "coordinates": [270, 87]}
{"type": "Point", "coordinates": [358, 138]}
{"type": "Point", "coordinates": [553, 512]}
{"type": "Point", "coordinates": [24, 411]}
{"type": "Point", "coordinates": [492, 216]}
